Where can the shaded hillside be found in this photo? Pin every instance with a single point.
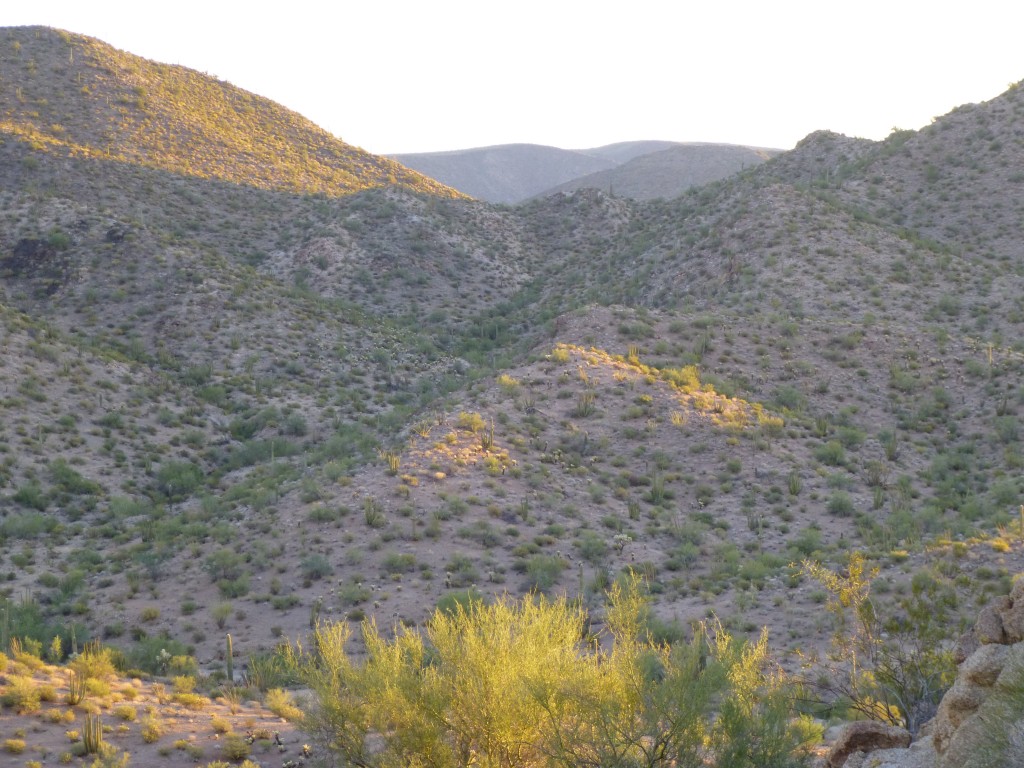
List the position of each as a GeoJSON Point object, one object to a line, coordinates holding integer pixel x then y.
{"type": "Point", "coordinates": [669, 172]}
{"type": "Point", "coordinates": [506, 173]}
{"type": "Point", "coordinates": [171, 118]}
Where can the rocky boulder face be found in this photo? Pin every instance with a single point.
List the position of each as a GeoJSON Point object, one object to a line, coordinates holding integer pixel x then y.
{"type": "Point", "coordinates": [980, 722]}
{"type": "Point", "coordinates": [981, 719]}
{"type": "Point", "coordinates": [865, 736]}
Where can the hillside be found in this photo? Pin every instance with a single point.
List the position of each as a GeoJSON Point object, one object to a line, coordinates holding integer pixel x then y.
{"type": "Point", "coordinates": [669, 172]}
{"type": "Point", "coordinates": [240, 396]}
{"type": "Point", "coordinates": [172, 119]}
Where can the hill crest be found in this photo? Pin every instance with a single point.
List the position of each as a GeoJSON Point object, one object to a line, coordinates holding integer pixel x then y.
{"type": "Point", "coordinates": [75, 95]}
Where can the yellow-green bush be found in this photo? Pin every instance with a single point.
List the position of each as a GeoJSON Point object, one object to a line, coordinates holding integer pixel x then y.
{"type": "Point", "coordinates": [281, 704]}
{"type": "Point", "coordinates": [22, 695]}
{"type": "Point", "coordinates": [511, 683]}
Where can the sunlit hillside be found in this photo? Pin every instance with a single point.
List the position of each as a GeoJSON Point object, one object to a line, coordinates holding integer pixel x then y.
{"type": "Point", "coordinates": [174, 119]}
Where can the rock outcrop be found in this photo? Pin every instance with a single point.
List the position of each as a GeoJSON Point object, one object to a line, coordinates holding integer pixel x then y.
{"type": "Point", "coordinates": [980, 721]}
{"type": "Point", "coordinates": [865, 736]}
{"type": "Point", "coordinates": [981, 718]}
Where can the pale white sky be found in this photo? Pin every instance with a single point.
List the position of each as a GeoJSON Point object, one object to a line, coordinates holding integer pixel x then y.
{"type": "Point", "coordinates": [424, 75]}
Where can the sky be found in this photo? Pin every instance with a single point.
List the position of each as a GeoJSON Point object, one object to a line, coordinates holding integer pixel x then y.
{"type": "Point", "coordinates": [395, 76]}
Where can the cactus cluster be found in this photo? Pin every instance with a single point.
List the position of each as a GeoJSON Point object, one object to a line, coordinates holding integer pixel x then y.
{"type": "Point", "coordinates": [92, 735]}
{"type": "Point", "coordinates": [76, 690]}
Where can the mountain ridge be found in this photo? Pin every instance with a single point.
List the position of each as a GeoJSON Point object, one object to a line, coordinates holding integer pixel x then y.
{"type": "Point", "coordinates": [163, 115]}
{"type": "Point", "coordinates": [514, 173]}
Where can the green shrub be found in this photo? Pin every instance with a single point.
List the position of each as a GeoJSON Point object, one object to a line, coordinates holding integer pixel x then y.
{"type": "Point", "coordinates": [315, 567]}
{"type": "Point", "coordinates": [831, 453]}
{"type": "Point", "coordinates": [543, 571]}
{"type": "Point", "coordinates": [840, 504]}
{"type": "Point", "coordinates": [281, 703]}
{"type": "Point", "coordinates": [234, 747]}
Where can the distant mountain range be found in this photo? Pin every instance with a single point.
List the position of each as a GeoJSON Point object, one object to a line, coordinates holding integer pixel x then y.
{"type": "Point", "coordinates": [642, 170]}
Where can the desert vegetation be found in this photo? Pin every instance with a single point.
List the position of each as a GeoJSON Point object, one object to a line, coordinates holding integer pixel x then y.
{"type": "Point", "coordinates": [272, 402]}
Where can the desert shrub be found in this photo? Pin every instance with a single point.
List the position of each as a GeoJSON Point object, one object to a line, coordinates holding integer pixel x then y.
{"type": "Point", "coordinates": [315, 567]}
{"type": "Point", "coordinates": [592, 547]}
{"type": "Point", "coordinates": [903, 663]}
{"type": "Point", "coordinates": [281, 703]}
{"type": "Point", "coordinates": [510, 683]}
{"type": "Point", "coordinates": [831, 453]}
{"type": "Point", "coordinates": [95, 661]}
{"type": "Point", "coordinates": [268, 671]}
{"type": "Point", "coordinates": [398, 562]}
{"type": "Point", "coordinates": [459, 600]}
{"type": "Point", "coordinates": [840, 504]}
{"type": "Point", "coordinates": [543, 571]}
{"type": "Point", "coordinates": [27, 525]}
{"type": "Point", "coordinates": [234, 747]}
{"type": "Point", "coordinates": [70, 481]}
{"type": "Point", "coordinates": [158, 655]}
{"type": "Point", "coordinates": [22, 695]}
{"type": "Point", "coordinates": [152, 730]}
{"type": "Point", "coordinates": [177, 480]}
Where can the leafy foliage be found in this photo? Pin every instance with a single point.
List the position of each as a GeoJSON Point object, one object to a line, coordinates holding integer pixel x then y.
{"type": "Point", "coordinates": [894, 669]}
{"type": "Point", "coordinates": [513, 684]}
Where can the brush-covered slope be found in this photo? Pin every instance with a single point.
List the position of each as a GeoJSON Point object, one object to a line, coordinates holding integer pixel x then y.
{"type": "Point", "coordinates": [669, 172]}
{"type": "Point", "coordinates": [77, 96]}
{"type": "Point", "coordinates": [251, 407]}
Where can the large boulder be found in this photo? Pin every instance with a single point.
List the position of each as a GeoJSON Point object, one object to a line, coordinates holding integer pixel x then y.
{"type": "Point", "coordinates": [865, 736]}
{"type": "Point", "coordinates": [989, 627]}
{"type": "Point", "coordinates": [980, 722]}
{"type": "Point", "coordinates": [920, 755]}
{"type": "Point", "coordinates": [965, 646]}
{"type": "Point", "coordinates": [960, 702]}
{"type": "Point", "coordinates": [984, 665]}
{"type": "Point", "coordinates": [981, 718]}
{"type": "Point", "coordinates": [1012, 616]}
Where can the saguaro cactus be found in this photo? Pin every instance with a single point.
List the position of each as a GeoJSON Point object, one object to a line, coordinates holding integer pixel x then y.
{"type": "Point", "coordinates": [229, 661]}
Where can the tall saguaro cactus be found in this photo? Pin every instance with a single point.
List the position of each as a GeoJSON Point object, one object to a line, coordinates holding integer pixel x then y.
{"type": "Point", "coordinates": [229, 661]}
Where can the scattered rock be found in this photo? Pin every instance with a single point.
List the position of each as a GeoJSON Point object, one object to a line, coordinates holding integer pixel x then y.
{"type": "Point", "coordinates": [865, 736]}
{"type": "Point", "coordinates": [920, 755]}
{"type": "Point", "coordinates": [116, 234]}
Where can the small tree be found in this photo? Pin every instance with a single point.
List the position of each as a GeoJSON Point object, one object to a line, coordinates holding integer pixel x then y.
{"type": "Point", "coordinates": [894, 669]}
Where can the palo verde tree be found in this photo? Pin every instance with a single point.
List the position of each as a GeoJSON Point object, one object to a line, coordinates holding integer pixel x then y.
{"type": "Point", "coordinates": [514, 683]}
{"type": "Point", "coordinates": [895, 668]}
